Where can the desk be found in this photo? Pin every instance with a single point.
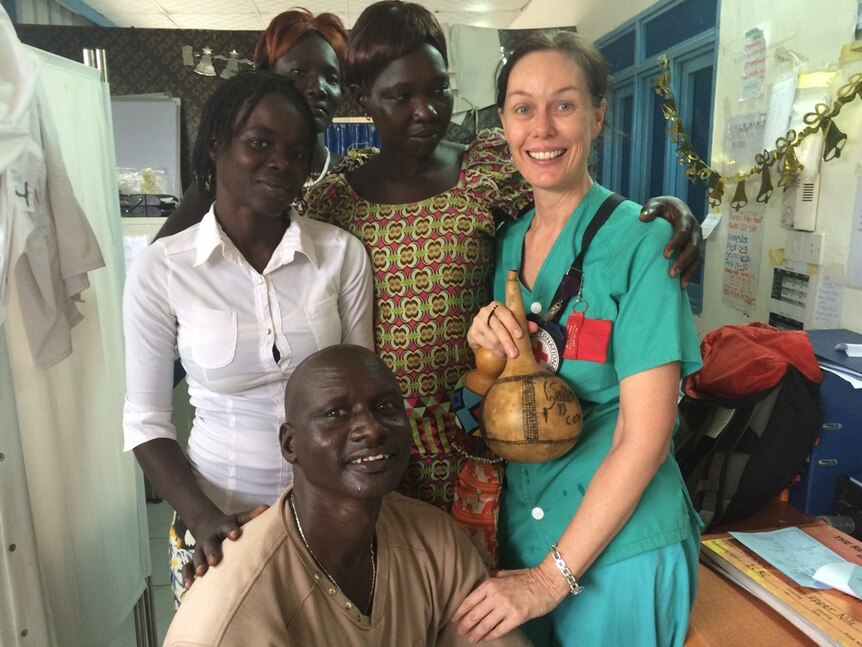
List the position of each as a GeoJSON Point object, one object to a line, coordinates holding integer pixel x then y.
{"type": "Point", "coordinates": [777, 514]}
{"type": "Point", "coordinates": [726, 615]}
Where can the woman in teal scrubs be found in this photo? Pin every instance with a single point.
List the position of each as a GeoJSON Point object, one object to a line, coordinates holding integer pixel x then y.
{"type": "Point", "coordinates": [599, 545]}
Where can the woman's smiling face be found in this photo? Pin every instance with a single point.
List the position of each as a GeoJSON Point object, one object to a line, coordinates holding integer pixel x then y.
{"type": "Point", "coordinates": [263, 167]}
{"type": "Point", "coordinates": [550, 120]}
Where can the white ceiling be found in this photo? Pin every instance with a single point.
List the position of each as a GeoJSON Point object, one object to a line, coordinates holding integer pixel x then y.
{"type": "Point", "coordinates": [256, 14]}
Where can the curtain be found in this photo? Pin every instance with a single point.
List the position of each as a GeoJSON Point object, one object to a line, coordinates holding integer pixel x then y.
{"type": "Point", "coordinates": [72, 501]}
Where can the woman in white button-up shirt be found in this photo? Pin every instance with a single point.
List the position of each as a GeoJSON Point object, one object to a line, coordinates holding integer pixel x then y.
{"type": "Point", "coordinates": [242, 297]}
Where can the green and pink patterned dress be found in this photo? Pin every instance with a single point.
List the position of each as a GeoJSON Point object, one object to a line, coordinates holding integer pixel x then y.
{"type": "Point", "coordinates": [433, 264]}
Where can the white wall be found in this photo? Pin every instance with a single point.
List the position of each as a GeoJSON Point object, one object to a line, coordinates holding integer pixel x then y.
{"type": "Point", "coordinates": [593, 18]}
{"type": "Point", "coordinates": [795, 24]}
{"type": "Point", "coordinates": [546, 13]}
{"type": "Point", "coordinates": [799, 26]}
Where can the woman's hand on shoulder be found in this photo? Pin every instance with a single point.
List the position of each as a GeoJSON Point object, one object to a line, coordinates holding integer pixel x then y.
{"type": "Point", "coordinates": [502, 603]}
{"type": "Point", "coordinates": [209, 536]}
{"type": "Point", "coordinates": [687, 236]}
{"type": "Point", "coordinates": [495, 328]}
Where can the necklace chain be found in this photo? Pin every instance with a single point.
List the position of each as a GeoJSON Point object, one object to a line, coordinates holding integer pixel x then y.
{"type": "Point", "coordinates": [314, 179]}
{"type": "Point", "coordinates": [323, 568]}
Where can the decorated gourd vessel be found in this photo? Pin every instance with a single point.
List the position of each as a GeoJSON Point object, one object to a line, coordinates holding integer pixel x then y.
{"type": "Point", "coordinates": [529, 415]}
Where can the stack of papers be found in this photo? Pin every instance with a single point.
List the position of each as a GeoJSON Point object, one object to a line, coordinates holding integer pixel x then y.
{"type": "Point", "coordinates": [804, 559]}
{"type": "Point", "coordinates": [839, 351]}
{"type": "Point", "coordinates": [852, 350]}
{"type": "Point", "coordinates": [810, 575]}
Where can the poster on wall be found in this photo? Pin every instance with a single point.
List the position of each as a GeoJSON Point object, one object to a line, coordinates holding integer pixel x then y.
{"type": "Point", "coordinates": [828, 304]}
{"type": "Point", "coordinates": [802, 299]}
{"type": "Point", "coordinates": [742, 256]}
{"type": "Point", "coordinates": [753, 64]}
{"type": "Point", "coordinates": [780, 108]}
{"type": "Point", "coordinates": [742, 140]}
{"type": "Point", "coordinates": [790, 297]}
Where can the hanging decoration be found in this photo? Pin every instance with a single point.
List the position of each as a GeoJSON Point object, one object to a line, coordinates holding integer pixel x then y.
{"type": "Point", "coordinates": [206, 67]}
{"type": "Point", "coordinates": [822, 119]}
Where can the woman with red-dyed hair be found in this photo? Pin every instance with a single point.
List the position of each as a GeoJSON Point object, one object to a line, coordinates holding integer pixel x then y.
{"type": "Point", "coordinates": [310, 50]}
{"type": "Point", "coordinates": [288, 27]}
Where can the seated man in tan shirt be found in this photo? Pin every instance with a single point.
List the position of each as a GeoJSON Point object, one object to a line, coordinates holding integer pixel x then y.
{"type": "Point", "coordinates": [340, 559]}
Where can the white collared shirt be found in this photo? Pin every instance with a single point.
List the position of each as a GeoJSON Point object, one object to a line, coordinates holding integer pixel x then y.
{"type": "Point", "coordinates": [194, 293]}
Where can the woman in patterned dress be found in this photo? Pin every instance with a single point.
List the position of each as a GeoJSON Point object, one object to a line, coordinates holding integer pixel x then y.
{"type": "Point", "coordinates": [424, 207]}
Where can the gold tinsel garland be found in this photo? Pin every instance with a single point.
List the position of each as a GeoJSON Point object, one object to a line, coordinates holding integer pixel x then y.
{"type": "Point", "coordinates": [697, 170]}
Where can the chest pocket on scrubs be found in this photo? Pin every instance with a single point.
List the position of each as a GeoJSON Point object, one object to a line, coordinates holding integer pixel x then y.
{"type": "Point", "coordinates": [592, 378]}
{"type": "Point", "coordinates": [213, 337]}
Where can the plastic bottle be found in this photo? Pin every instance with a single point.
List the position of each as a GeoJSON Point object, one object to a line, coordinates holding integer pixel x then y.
{"type": "Point", "coordinates": [840, 521]}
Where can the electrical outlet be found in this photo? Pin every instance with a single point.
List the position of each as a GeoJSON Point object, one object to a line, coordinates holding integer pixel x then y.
{"type": "Point", "coordinates": [812, 247]}
{"type": "Point", "coordinates": [805, 247]}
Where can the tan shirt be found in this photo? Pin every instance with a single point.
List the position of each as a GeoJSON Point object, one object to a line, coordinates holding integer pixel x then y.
{"type": "Point", "coordinates": [268, 591]}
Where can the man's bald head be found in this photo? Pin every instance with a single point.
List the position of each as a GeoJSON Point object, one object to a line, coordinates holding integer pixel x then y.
{"type": "Point", "coordinates": [346, 359]}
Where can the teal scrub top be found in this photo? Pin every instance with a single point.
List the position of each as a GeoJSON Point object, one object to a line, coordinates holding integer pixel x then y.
{"type": "Point", "coordinates": [626, 282]}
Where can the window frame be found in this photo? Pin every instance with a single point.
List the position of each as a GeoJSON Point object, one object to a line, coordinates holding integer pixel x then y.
{"type": "Point", "coordinates": [686, 58]}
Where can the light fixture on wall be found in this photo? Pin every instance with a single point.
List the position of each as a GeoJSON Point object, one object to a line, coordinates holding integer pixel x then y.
{"type": "Point", "coordinates": [205, 66]}
{"type": "Point", "coordinates": [232, 65]}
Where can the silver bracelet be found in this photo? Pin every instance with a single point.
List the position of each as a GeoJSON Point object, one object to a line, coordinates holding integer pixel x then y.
{"type": "Point", "coordinates": [574, 587]}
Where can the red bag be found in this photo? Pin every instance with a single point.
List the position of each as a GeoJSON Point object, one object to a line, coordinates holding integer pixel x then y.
{"type": "Point", "coordinates": [748, 359]}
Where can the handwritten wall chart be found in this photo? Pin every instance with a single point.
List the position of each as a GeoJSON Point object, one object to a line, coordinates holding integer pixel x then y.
{"type": "Point", "coordinates": [742, 257]}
